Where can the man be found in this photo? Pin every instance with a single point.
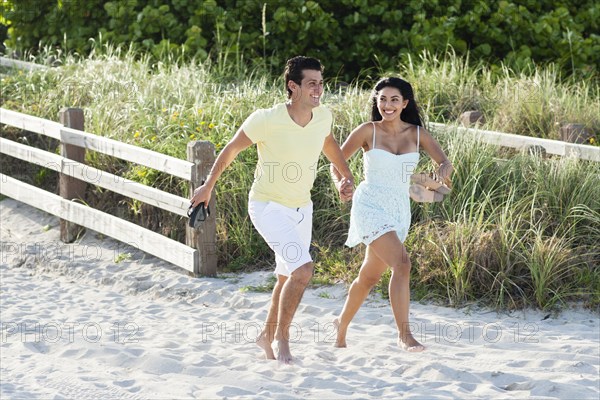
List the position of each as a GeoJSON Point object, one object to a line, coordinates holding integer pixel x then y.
{"type": "Point", "coordinates": [289, 138]}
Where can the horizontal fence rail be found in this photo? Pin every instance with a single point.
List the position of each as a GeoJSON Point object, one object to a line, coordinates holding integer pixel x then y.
{"type": "Point", "coordinates": [124, 151]}
{"type": "Point", "coordinates": [86, 173]}
{"type": "Point", "coordinates": [11, 63]}
{"type": "Point", "coordinates": [557, 147]}
{"type": "Point", "coordinates": [31, 123]}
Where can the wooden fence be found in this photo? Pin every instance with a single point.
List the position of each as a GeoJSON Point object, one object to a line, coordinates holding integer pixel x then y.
{"type": "Point", "coordinates": [198, 255]}
{"type": "Point", "coordinates": [11, 63]}
{"type": "Point", "coordinates": [557, 147]}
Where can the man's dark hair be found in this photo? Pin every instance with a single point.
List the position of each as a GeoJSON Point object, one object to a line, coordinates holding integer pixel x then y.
{"type": "Point", "coordinates": [294, 67]}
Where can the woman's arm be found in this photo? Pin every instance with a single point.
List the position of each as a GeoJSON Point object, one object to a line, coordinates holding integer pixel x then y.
{"type": "Point", "coordinates": [345, 181]}
{"type": "Point", "coordinates": [433, 149]}
{"type": "Point", "coordinates": [355, 141]}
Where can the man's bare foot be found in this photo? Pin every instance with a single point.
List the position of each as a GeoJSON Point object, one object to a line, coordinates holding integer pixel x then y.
{"type": "Point", "coordinates": [284, 354]}
{"type": "Point", "coordinates": [410, 344]}
{"type": "Point", "coordinates": [340, 340]}
{"type": "Point", "coordinates": [263, 342]}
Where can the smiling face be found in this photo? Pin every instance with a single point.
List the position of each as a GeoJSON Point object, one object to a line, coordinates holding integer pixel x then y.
{"type": "Point", "coordinates": [390, 103]}
{"type": "Point", "coordinates": [310, 90]}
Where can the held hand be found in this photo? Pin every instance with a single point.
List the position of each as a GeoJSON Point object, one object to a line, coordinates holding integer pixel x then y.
{"type": "Point", "coordinates": [201, 194]}
{"type": "Point", "coordinates": [346, 189]}
{"type": "Point", "coordinates": [444, 172]}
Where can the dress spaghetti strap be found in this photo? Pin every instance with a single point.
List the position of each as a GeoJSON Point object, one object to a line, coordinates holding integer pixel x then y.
{"type": "Point", "coordinates": [418, 137]}
{"type": "Point", "coordinates": [373, 136]}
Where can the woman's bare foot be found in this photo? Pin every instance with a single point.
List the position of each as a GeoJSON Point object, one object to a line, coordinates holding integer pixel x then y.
{"type": "Point", "coordinates": [263, 342]}
{"type": "Point", "coordinates": [340, 340]}
{"type": "Point", "coordinates": [410, 344]}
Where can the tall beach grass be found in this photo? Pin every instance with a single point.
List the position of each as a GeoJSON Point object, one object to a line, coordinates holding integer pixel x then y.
{"type": "Point", "coordinates": [517, 230]}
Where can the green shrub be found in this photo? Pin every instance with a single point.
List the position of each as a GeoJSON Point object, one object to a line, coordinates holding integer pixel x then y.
{"type": "Point", "coordinates": [348, 35]}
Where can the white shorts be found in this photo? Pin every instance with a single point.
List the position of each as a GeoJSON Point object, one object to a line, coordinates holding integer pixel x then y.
{"type": "Point", "coordinates": [287, 231]}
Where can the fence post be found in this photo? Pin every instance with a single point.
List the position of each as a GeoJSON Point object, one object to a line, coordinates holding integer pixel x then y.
{"type": "Point", "coordinates": [69, 187]}
{"type": "Point", "coordinates": [202, 154]}
{"type": "Point", "coordinates": [470, 118]}
{"type": "Point", "coordinates": [575, 133]}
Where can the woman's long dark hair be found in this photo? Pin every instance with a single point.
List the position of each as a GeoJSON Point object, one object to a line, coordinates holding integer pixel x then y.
{"type": "Point", "coordinates": [411, 113]}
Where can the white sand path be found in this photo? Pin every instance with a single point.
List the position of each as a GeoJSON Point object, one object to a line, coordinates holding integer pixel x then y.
{"type": "Point", "coordinates": [75, 324]}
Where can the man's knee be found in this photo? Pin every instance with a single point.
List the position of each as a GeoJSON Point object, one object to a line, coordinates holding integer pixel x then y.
{"type": "Point", "coordinates": [281, 279]}
{"type": "Point", "coordinates": [303, 274]}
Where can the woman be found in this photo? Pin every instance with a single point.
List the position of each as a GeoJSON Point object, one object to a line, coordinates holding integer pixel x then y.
{"type": "Point", "coordinates": [380, 215]}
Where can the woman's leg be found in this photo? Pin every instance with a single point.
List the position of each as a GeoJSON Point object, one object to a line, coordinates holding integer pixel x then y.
{"type": "Point", "coordinates": [393, 253]}
{"type": "Point", "coordinates": [369, 275]}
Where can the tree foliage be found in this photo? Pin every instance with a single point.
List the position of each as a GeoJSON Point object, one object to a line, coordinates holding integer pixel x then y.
{"type": "Point", "coordinates": [347, 35]}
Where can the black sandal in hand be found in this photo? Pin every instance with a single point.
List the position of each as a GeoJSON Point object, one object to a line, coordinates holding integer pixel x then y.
{"type": "Point", "coordinates": [197, 215]}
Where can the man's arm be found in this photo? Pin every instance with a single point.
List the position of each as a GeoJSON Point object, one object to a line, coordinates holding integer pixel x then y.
{"type": "Point", "coordinates": [238, 143]}
{"type": "Point", "coordinates": [345, 181]}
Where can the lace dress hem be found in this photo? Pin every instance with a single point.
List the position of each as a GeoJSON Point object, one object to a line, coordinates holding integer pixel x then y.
{"type": "Point", "coordinates": [371, 237]}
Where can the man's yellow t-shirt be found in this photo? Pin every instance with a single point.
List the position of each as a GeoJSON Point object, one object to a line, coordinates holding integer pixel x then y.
{"type": "Point", "coordinates": [288, 154]}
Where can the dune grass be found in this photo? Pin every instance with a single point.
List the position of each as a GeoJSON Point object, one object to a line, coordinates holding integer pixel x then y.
{"type": "Point", "coordinates": [518, 230]}
{"type": "Point", "coordinates": [534, 102]}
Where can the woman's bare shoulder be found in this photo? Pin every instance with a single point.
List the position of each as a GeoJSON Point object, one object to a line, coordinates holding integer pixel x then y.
{"type": "Point", "coordinates": [363, 129]}
{"type": "Point", "coordinates": [359, 136]}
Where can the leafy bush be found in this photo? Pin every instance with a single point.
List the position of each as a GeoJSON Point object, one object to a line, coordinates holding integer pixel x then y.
{"type": "Point", "coordinates": [348, 35]}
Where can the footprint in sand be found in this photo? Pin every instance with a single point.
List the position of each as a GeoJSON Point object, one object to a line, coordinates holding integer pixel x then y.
{"type": "Point", "coordinates": [125, 383]}
{"type": "Point", "coordinates": [327, 355]}
{"type": "Point", "coordinates": [399, 371]}
{"type": "Point", "coordinates": [519, 386]}
{"type": "Point", "coordinates": [36, 347]}
{"type": "Point", "coordinates": [72, 389]}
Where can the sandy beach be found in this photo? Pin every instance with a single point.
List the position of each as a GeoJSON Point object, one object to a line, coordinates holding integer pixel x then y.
{"type": "Point", "coordinates": [98, 319]}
